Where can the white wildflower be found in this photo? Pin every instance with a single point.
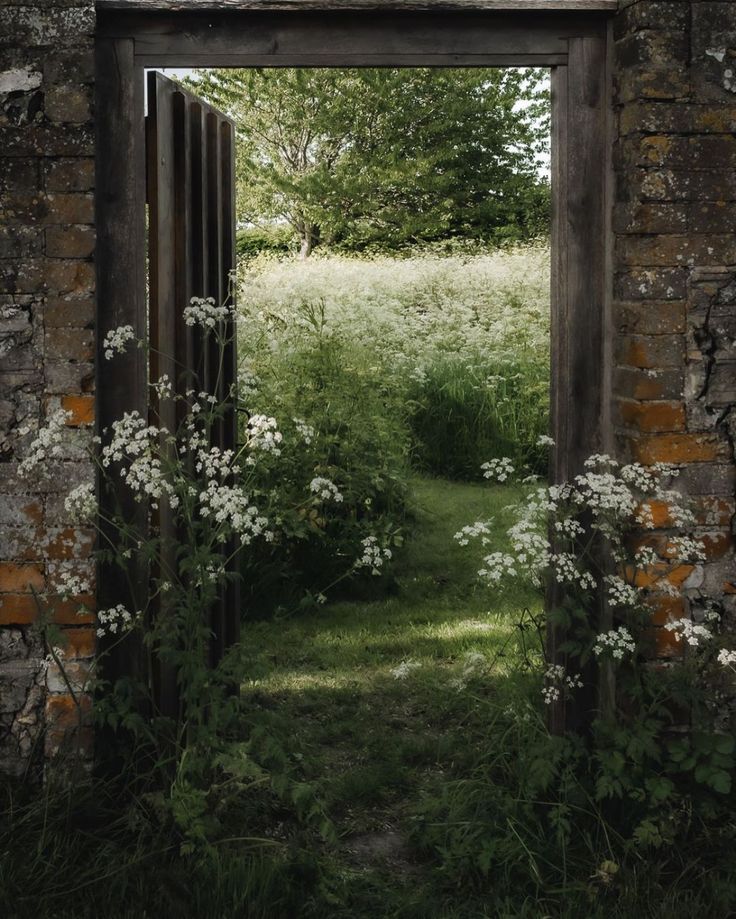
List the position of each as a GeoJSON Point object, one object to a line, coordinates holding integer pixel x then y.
{"type": "Point", "coordinates": [689, 631]}
{"type": "Point", "coordinates": [304, 430]}
{"type": "Point", "coordinates": [498, 469]}
{"type": "Point", "coordinates": [475, 530]}
{"type": "Point", "coordinates": [373, 556]}
{"type": "Point", "coordinates": [81, 503]}
{"type": "Point", "coordinates": [263, 436]}
{"type": "Point", "coordinates": [405, 669]}
{"type": "Point", "coordinates": [115, 620]}
{"type": "Point", "coordinates": [619, 592]}
{"type": "Point", "coordinates": [325, 490]}
{"type": "Point", "coordinates": [618, 642]}
{"type": "Point", "coordinates": [48, 443]}
{"type": "Point", "coordinates": [116, 340]}
{"type": "Point", "coordinates": [727, 658]}
{"type": "Point", "coordinates": [204, 312]}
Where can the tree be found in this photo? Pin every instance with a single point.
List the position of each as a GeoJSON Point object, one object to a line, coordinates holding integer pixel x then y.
{"type": "Point", "coordinates": [387, 157]}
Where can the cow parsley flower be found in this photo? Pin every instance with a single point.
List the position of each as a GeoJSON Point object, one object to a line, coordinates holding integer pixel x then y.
{"type": "Point", "coordinates": [405, 669]}
{"type": "Point", "coordinates": [497, 566]}
{"type": "Point", "coordinates": [498, 469]}
{"type": "Point", "coordinates": [116, 340]}
{"type": "Point", "coordinates": [325, 490]}
{"type": "Point", "coordinates": [263, 436]}
{"type": "Point", "coordinates": [727, 658]}
{"type": "Point", "coordinates": [81, 504]}
{"type": "Point", "coordinates": [204, 312]}
{"type": "Point", "coordinates": [475, 530]}
{"type": "Point", "coordinates": [559, 683]}
{"type": "Point", "coordinates": [115, 620]}
{"type": "Point", "coordinates": [619, 592]}
{"type": "Point", "coordinates": [373, 556]}
{"type": "Point", "coordinates": [48, 443]}
{"type": "Point", "coordinates": [304, 430]}
{"type": "Point", "coordinates": [618, 642]}
{"type": "Point", "coordinates": [544, 440]}
{"type": "Point", "coordinates": [689, 631]}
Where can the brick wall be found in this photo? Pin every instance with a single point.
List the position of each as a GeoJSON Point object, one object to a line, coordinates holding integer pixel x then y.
{"type": "Point", "coordinates": [46, 348]}
{"type": "Point", "coordinates": [675, 264]}
{"type": "Point", "coordinates": [674, 303]}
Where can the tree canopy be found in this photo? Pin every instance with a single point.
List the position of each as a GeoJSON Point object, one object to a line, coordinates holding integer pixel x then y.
{"type": "Point", "coordinates": [387, 157]}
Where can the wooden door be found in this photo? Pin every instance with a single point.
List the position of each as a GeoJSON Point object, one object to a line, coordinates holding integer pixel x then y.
{"type": "Point", "coordinates": [190, 192]}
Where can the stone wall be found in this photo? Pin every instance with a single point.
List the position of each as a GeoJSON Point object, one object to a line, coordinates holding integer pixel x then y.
{"type": "Point", "coordinates": [46, 353]}
{"type": "Point", "coordinates": [675, 267]}
{"type": "Point", "coordinates": [674, 306]}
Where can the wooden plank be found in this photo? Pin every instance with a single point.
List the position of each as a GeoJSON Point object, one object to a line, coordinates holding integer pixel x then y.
{"type": "Point", "coordinates": [120, 263]}
{"type": "Point", "coordinates": [580, 201]}
{"type": "Point", "coordinates": [343, 39]}
{"type": "Point", "coordinates": [160, 174]}
{"type": "Point", "coordinates": [230, 440]}
{"type": "Point", "coordinates": [329, 5]}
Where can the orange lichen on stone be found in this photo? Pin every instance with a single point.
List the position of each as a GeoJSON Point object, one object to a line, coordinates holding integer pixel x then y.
{"type": "Point", "coordinates": [81, 409]}
{"type": "Point", "coordinates": [15, 578]}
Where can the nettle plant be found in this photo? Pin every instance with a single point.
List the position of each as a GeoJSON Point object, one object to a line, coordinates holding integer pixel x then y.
{"type": "Point", "coordinates": [218, 503]}
{"type": "Point", "coordinates": [588, 545]}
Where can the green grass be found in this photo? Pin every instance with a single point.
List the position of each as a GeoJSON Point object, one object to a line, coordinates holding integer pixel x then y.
{"type": "Point", "coordinates": [374, 746]}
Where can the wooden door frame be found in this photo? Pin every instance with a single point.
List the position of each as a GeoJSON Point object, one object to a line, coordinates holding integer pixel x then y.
{"type": "Point", "coordinates": [570, 36]}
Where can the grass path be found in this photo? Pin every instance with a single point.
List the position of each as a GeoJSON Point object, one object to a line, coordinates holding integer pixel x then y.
{"type": "Point", "coordinates": [374, 702]}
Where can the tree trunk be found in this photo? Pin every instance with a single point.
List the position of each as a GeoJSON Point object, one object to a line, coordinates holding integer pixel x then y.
{"type": "Point", "coordinates": [309, 239]}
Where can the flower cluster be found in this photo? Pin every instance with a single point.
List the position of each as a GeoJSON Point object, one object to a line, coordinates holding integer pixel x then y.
{"type": "Point", "coordinates": [116, 340]}
{"type": "Point", "coordinates": [497, 566]}
{"type": "Point", "coordinates": [48, 443]}
{"type": "Point", "coordinates": [230, 507]}
{"type": "Point", "coordinates": [204, 311]}
{"type": "Point", "coordinates": [325, 490]}
{"type": "Point", "coordinates": [139, 444]}
{"type": "Point", "coordinates": [620, 593]}
{"type": "Point", "coordinates": [163, 387]}
{"type": "Point", "coordinates": [473, 664]}
{"type": "Point", "coordinates": [475, 530]}
{"type": "Point", "coordinates": [498, 469]}
{"type": "Point", "coordinates": [688, 631]}
{"type": "Point", "coordinates": [304, 430]}
{"type": "Point", "coordinates": [373, 556]}
{"type": "Point", "coordinates": [618, 642]}
{"type": "Point", "coordinates": [115, 620]}
{"type": "Point", "coordinates": [81, 504]}
{"type": "Point", "coordinates": [727, 658]}
{"type": "Point", "coordinates": [263, 436]}
{"type": "Point", "coordinates": [405, 669]}
{"type": "Point", "coordinates": [559, 684]}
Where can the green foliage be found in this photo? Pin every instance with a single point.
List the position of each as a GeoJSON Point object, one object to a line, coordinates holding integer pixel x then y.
{"type": "Point", "coordinates": [447, 355]}
{"type": "Point", "coordinates": [355, 439]}
{"type": "Point", "coordinates": [338, 158]}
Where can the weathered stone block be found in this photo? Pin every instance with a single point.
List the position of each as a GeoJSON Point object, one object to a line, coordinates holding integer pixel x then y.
{"type": "Point", "coordinates": [68, 104]}
{"type": "Point", "coordinates": [672, 15]}
{"type": "Point", "coordinates": [651, 417]}
{"type": "Point", "coordinates": [650, 218]}
{"type": "Point", "coordinates": [673, 250]}
{"type": "Point", "coordinates": [680, 448]}
{"type": "Point", "coordinates": [652, 47]}
{"type": "Point", "coordinates": [651, 351]}
{"type": "Point", "coordinates": [671, 82]}
{"type": "Point", "coordinates": [68, 175]}
{"type": "Point", "coordinates": [651, 284]}
{"type": "Point", "coordinates": [652, 384]}
{"type": "Point", "coordinates": [70, 241]}
{"type": "Point", "coordinates": [651, 317]}
{"type": "Point", "coordinates": [73, 313]}
{"type": "Point", "coordinates": [69, 344]}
